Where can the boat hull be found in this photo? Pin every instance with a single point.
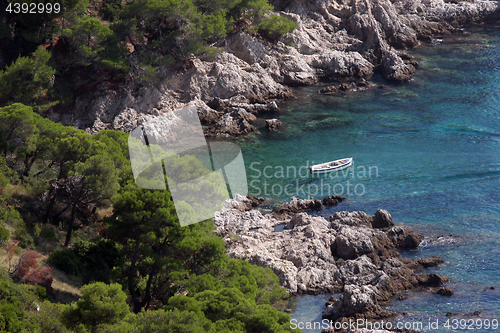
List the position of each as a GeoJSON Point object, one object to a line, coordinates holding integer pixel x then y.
{"type": "Point", "coordinates": [332, 169]}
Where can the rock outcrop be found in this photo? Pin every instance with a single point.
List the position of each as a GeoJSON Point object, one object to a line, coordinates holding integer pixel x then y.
{"type": "Point", "coordinates": [333, 200]}
{"type": "Point", "coordinates": [334, 40]}
{"type": "Point", "coordinates": [361, 35]}
{"type": "Point", "coordinates": [350, 253]}
{"type": "Point", "coordinates": [298, 205]}
{"type": "Point", "coordinates": [382, 219]}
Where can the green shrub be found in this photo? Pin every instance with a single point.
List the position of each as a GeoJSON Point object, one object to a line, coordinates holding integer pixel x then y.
{"type": "Point", "coordinates": [6, 174]}
{"type": "Point", "coordinates": [100, 304]}
{"type": "Point", "coordinates": [4, 235]}
{"type": "Point", "coordinates": [12, 217]}
{"type": "Point", "coordinates": [36, 187]}
{"type": "Point", "coordinates": [275, 26]}
{"type": "Point", "coordinates": [66, 261]}
{"type": "Point", "coordinates": [21, 235]}
{"type": "Point", "coordinates": [41, 293]}
{"type": "Point", "coordinates": [49, 317]}
{"type": "Point", "coordinates": [27, 79]}
{"type": "Point", "coordinates": [98, 257]}
{"type": "Point", "coordinates": [111, 9]}
{"type": "Point", "coordinates": [13, 299]}
{"type": "Point", "coordinates": [48, 233]}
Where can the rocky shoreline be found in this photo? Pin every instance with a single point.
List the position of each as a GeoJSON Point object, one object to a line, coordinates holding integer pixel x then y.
{"type": "Point", "coordinates": [351, 253]}
{"type": "Point", "coordinates": [342, 41]}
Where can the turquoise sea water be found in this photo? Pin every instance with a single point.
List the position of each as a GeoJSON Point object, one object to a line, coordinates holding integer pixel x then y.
{"type": "Point", "coordinates": [433, 149]}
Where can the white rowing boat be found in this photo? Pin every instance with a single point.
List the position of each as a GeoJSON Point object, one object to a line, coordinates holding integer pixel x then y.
{"type": "Point", "coordinates": [331, 166]}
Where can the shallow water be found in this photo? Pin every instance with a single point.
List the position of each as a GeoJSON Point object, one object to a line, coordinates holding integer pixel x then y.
{"type": "Point", "coordinates": [427, 151]}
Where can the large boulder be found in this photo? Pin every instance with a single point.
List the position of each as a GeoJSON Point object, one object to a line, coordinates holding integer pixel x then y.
{"type": "Point", "coordinates": [340, 64]}
{"type": "Point", "coordinates": [230, 77]}
{"type": "Point", "coordinates": [231, 221]}
{"type": "Point", "coordinates": [351, 218]}
{"type": "Point", "coordinates": [247, 47]}
{"type": "Point", "coordinates": [395, 69]}
{"type": "Point", "coordinates": [351, 243]}
{"type": "Point", "coordinates": [382, 219]}
{"type": "Point", "coordinates": [360, 271]}
{"type": "Point", "coordinates": [356, 301]}
{"type": "Point", "coordinates": [256, 108]}
{"type": "Point", "coordinates": [295, 70]}
{"type": "Point", "coordinates": [405, 238]}
{"type": "Point", "coordinates": [207, 115]}
{"type": "Point", "coordinates": [234, 123]}
{"type": "Point", "coordinates": [244, 202]}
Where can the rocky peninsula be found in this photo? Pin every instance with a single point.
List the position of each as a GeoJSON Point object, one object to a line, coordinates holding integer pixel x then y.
{"type": "Point", "coordinates": [351, 253]}
{"type": "Point", "coordinates": [343, 41]}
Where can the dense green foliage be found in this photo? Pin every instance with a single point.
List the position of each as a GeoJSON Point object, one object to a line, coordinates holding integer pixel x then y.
{"type": "Point", "coordinates": [72, 195]}
{"type": "Point", "coordinates": [14, 299]}
{"type": "Point", "coordinates": [147, 273]}
{"type": "Point", "coordinates": [100, 304]}
{"type": "Point", "coordinates": [66, 261]}
{"type": "Point", "coordinates": [274, 26]}
{"type": "Point", "coordinates": [96, 259]}
{"type": "Point", "coordinates": [27, 79]}
{"type": "Point", "coordinates": [48, 57]}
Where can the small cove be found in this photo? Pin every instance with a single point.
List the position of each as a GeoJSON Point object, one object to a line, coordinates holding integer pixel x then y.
{"type": "Point", "coordinates": [433, 146]}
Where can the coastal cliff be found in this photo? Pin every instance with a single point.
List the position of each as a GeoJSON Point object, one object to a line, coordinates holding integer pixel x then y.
{"type": "Point", "coordinates": [334, 40]}
{"type": "Point", "coordinates": [351, 253]}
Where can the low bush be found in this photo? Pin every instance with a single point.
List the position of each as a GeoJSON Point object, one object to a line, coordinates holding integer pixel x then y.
{"type": "Point", "coordinates": [66, 261]}
{"type": "Point", "coordinates": [11, 216]}
{"type": "Point", "coordinates": [21, 235]}
{"type": "Point", "coordinates": [4, 235]}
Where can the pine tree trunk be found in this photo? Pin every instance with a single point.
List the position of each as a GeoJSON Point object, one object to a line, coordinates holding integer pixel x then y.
{"type": "Point", "coordinates": [50, 206]}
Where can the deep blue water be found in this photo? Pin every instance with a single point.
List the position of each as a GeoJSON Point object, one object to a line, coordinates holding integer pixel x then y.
{"type": "Point", "coordinates": [433, 148]}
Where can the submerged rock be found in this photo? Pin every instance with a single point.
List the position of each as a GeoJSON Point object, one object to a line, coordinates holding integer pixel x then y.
{"type": "Point", "coordinates": [345, 87]}
{"type": "Point", "coordinates": [274, 125]}
{"type": "Point", "coordinates": [333, 200]}
{"type": "Point", "coordinates": [445, 292]}
{"type": "Point", "coordinates": [431, 280]}
{"type": "Point", "coordinates": [395, 69]}
{"type": "Point", "coordinates": [356, 302]}
{"type": "Point", "coordinates": [405, 238]}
